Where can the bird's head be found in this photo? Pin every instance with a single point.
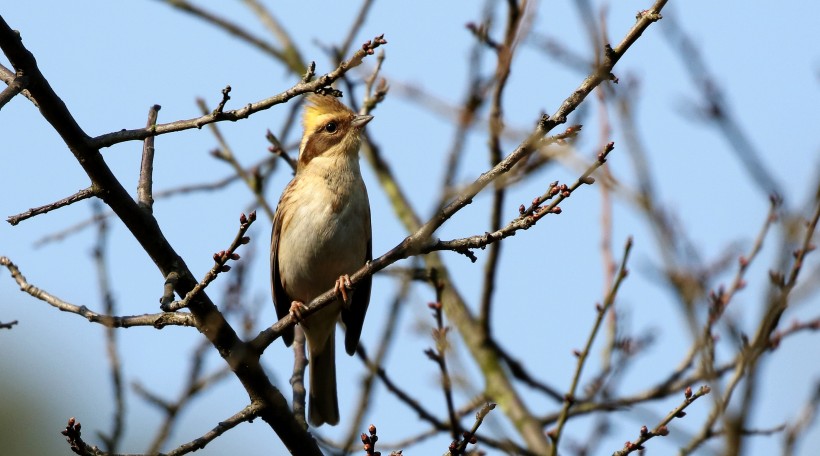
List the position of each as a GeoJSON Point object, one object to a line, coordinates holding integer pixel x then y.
{"type": "Point", "coordinates": [330, 129]}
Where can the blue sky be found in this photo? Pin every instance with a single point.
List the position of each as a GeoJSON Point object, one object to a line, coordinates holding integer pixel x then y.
{"type": "Point", "coordinates": [110, 61]}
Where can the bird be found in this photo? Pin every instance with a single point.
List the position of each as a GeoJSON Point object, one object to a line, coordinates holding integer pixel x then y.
{"type": "Point", "coordinates": [321, 234]}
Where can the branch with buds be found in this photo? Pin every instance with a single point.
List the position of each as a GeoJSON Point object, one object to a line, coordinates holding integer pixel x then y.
{"type": "Point", "coordinates": [220, 265]}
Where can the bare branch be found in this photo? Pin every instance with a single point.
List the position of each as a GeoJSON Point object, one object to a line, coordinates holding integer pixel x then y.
{"type": "Point", "coordinates": [661, 429]}
{"type": "Point", "coordinates": [220, 265]}
{"type": "Point", "coordinates": [144, 188]}
{"type": "Point", "coordinates": [17, 85]}
{"type": "Point", "coordinates": [8, 325]}
{"type": "Point", "coordinates": [79, 196]}
{"type": "Point", "coordinates": [569, 397]}
{"type": "Point", "coordinates": [109, 139]}
{"type": "Point", "coordinates": [158, 321]}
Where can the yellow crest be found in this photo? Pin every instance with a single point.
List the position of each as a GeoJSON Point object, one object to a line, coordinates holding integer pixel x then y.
{"type": "Point", "coordinates": [319, 107]}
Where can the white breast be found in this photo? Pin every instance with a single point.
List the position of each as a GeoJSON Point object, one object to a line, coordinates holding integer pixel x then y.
{"type": "Point", "coordinates": [326, 233]}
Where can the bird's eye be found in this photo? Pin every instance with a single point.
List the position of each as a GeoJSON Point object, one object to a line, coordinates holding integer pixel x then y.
{"type": "Point", "coordinates": [331, 127]}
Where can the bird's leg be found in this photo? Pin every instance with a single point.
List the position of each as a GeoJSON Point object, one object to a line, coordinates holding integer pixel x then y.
{"type": "Point", "coordinates": [296, 309]}
{"type": "Point", "coordinates": [342, 285]}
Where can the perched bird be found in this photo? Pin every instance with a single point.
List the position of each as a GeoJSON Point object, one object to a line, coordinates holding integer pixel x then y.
{"type": "Point", "coordinates": [321, 233]}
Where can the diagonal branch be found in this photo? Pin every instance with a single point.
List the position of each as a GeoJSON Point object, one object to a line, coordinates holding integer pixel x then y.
{"type": "Point", "coordinates": [17, 85]}
{"type": "Point", "coordinates": [109, 139]}
{"type": "Point", "coordinates": [79, 196]}
{"type": "Point", "coordinates": [569, 398]}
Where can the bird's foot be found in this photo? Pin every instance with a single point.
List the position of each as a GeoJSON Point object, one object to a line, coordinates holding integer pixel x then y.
{"type": "Point", "coordinates": [296, 309]}
{"type": "Point", "coordinates": [342, 286]}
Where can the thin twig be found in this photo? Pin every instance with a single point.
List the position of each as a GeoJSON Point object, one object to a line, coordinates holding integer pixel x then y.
{"type": "Point", "coordinates": [145, 186]}
{"type": "Point", "coordinates": [528, 216]}
{"type": "Point", "coordinates": [402, 395]}
{"type": "Point", "coordinates": [802, 423]}
{"type": "Point", "coordinates": [109, 139]}
{"type": "Point", "coordinates": [248, 414]}
{"type": "Point", "coordinates": [661, 429]}
{"type": "Point", "coordinates": [79, 196]}
{"type": "Point", "coordinates": [9, 76]}
{"type": "Point", "coordinates": [289, 54]}
{"type": "Point", "coordinates": [355, 26]}
{"type": "Point", "coordinates": [717, 111]}
{"type": "Point", "coordinates": [439, 356]}
{"type": "Point", "coordinates": [515, 14]}
{"type": "Point", "coordinates": [231, 28]}
{"type": "Point", "coordinates": [460, 447]}
{"type": "Point", "coordinates": [520, 372]}
{"type": "Point", "coordinates": [17, 85]}
{"type": "Point", "coordinates": [569, 398]}
{"type": "Point", "coordinates": [225, 153]}
{"type": "Point", "coordinates": [167, 193]}
{"type": "Point", "coordinates": [297, 378]}
{"type": "Point", "coordinates": [158, 321]}
{"type": "Point", "coordinates": [8, 325]}
{"type": "Point", "coordinates": [368, 383]}
{"type": "Point", "coordinates": [749, 357]}
{"type": "Point", "coordinates": [220, 264]}
{"type": "Point", "coordinates": [114, 438]}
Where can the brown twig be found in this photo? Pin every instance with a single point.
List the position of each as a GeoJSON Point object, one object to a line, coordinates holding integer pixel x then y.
{"type": "Point", "coordinates": [661, 429]}
{"type": "Point", "coordinates": [9, 78]}
{"type": "Point", "coordinates": [368, 383]}
{"type": "Point", "coordinates": [283, 55]}
{"type": "Point", "coordinates": [369, 442]}
{"type": "Point", "coordinates": [519, 371]}
{"type": "Point", "coordinates": [459, 447]}
{"type": "Point", "coordinates": [297, 378]}
{"type": "Point", "coordinates": [220, 264]}
{"type": "Point", "coordinates": [528, 216]}
{"type": "Point", "coordinates": [289, 53]}
{"type": "Point", "coordinates": [17, 85]}
{"type": "Point", "coordinates": [158, 321]}
{"type": "Point", "coordinates": [145, 185]}
{"type": "Point", "coordinates": [167, 193]}
{"type": "Point", "coordinates": [747, 360]}
{"type": "Point", "coordinates": [802, 423]}
{"type": "Point", "coordinates": [716, 110]}
{"type": "Point", "coordinates": [79, 196]}
{"type": "Point", "coordinates": [355, 27]}
{"type": "Point", "coordinates": [196, 383]}
{"type": "Point", "coordinates": [277, 149]}
{"type": "Point", "coordinates": [248, 414]}
{"type": "Point", "coordinates": [113, 439]}
{"type": "Point", "coordinates": [8, 325]}
{"type": "Point", "coordinates": [400, 394]}
{"type": "Point", "coordinates": [439, 356]}
{"type": "Point", "coordinates": [109, 139]}
{"type": "Point", "coordinates": [602, 309]}
{"type": "Point", "coordinates": [505, 53]}
{"type": "Point", "coordinates": [465, 117]}
{"type": "Point", "coordinates": [225, 153]}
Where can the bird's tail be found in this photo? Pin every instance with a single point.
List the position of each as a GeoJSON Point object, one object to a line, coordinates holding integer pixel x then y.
{"type": "Point", "coordinates": [323, 406]}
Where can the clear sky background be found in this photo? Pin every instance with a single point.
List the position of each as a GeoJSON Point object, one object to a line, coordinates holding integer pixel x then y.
{"type": "Point", "coordinates": [110, 61]}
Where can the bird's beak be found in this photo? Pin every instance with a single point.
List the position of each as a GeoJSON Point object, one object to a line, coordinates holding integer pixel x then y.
{"type": "Point", "coordinates": [361, 121]}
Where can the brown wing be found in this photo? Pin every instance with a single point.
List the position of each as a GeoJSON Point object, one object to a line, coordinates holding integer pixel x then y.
{"type": "Point", "coordinates": [353, 317]}
{"type": "Point", "coordinates": [281, 300]}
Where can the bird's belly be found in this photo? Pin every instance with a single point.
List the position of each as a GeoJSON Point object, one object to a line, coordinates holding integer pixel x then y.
{"type": "Point", "coordinates": [320, 246]}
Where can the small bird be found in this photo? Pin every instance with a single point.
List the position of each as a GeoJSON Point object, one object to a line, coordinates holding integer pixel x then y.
{"type": "Point", "coordinates": [321, 234]}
